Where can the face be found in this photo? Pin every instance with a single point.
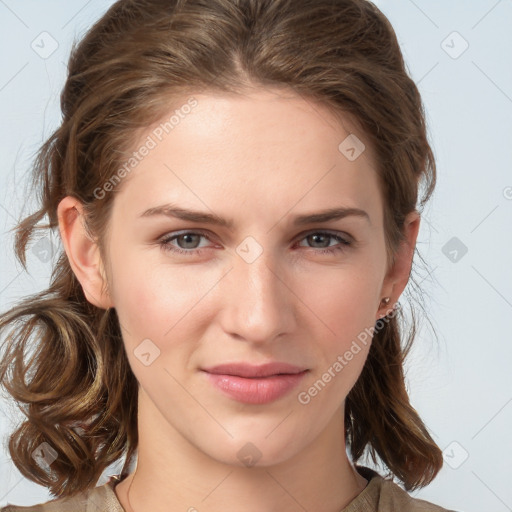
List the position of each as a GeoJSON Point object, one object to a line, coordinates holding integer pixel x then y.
{"type": "Point", "coordinates": [250, 279]}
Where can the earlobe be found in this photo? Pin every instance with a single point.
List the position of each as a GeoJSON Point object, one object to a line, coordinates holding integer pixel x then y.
{"type": "Point", "coordinates": [82, 252]}
{"type": "Point", "coordinates": [397, 276]}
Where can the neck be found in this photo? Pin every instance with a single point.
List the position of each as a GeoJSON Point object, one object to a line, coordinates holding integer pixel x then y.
{"type": "Point", "coordinates": [173, 474]}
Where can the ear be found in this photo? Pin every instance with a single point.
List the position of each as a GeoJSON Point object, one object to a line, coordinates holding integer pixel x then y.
{"type": "Point", "coordinates": [397, 276]}
{"type": "Point", "coordinates": [82, 252]}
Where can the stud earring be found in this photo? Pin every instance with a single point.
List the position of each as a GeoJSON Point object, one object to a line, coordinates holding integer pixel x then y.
{"type": "Point", "coordinates": [385, 301]}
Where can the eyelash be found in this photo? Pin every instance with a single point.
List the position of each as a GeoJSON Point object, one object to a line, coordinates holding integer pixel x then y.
{"type": "Point", "coordinates": [165, 243]}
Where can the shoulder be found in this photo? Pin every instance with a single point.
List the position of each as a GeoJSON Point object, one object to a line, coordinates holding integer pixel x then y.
{"type": "Point", "coordinates": [393, 496]}
{"type": "Point", "coordinates": [384, 495]}
{"type": "Point", "coordinates": [92, 500]}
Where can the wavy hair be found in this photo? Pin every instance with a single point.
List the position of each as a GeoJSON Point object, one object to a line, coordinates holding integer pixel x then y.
{"type": "Point", "coordinates": [77, 390]}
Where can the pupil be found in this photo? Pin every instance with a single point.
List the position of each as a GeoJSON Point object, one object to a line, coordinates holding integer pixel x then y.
{"type": "Point", "coordinates": [187, 240]}
{"type": "Point", "coordinates": [316, 237]}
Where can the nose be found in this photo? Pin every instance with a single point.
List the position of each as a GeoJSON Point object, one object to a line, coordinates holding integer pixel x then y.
{"type": "Point", "coordinates": [257, 300]}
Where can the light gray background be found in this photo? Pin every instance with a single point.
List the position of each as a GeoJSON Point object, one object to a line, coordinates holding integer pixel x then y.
{"type": "Point", "coordinates": [460, 383]}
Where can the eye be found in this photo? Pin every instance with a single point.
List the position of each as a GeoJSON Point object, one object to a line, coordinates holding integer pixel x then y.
{"type": "Point", "coordinates": [188, 239]}
{"type": "Point", "coordinates": [188, 242]}
{"type": "Point", "coordinates": [323, 237]}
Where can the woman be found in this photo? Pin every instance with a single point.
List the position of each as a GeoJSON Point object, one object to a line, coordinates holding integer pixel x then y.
{"type": "Point", "coordinates": [192, 321]}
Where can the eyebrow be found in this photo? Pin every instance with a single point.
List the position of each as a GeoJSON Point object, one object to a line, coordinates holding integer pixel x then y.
{"type": "Point", "coordinates": [170, 210]}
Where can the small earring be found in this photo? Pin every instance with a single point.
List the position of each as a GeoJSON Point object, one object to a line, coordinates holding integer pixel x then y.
{"type": "Point", "coordinates": [384, 301]}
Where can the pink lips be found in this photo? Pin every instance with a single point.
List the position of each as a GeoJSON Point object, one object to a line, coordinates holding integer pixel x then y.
{"type": "Point", "coordinates": [255, 384]}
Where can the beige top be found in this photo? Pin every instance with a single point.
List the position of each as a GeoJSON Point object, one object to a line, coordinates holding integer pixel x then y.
{"type": "Point", "coordinates": [380, 495]}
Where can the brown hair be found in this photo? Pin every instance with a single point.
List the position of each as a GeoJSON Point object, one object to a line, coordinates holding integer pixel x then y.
{"type": "Point", "coordinates": [122, 75]}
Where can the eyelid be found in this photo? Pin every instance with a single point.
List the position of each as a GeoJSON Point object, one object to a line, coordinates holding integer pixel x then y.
{"type": "Point", "coordinates": [332, 232]}
{"type": "Point", "coordinates": [169, 235]}
{"type": "Point", "coordinates": [207, 234]}
{"type": "Point", "coordinates": [344, 238]}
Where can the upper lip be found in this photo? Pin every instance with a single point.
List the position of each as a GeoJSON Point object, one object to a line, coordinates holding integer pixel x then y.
{"type": "Point", "coordinates": [248, 370]}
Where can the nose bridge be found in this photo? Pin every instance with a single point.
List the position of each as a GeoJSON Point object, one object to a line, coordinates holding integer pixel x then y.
{"type": "Point", "coordinates": [257, 301]}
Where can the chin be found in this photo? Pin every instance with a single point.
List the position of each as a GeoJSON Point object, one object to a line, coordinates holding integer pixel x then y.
{"type": "Point", "coordinates": [256, 451]}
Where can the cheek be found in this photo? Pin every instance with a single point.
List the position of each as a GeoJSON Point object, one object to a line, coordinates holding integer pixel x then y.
{"type": "Point", "coordinates": [154, 307]}
{"type": "Point", "coordinates": [151, 299]}
{"type": "Point", "coordinates": [344, 305]}
{"type": "Point", "coordinates": [345, 317]}
{"type": "Point", "coordinates": [341, 301]}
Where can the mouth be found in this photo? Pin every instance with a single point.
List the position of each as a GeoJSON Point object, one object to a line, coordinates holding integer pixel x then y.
{"type": "Point", "coordinates": [255, 384]}
{"type": "Point", "coordinates": [251, 371]}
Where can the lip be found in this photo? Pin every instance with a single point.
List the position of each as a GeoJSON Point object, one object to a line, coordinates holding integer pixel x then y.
{"type": "Point", "coordinates": [249, 370]}
{"type": "Point", "coordinates": [255, 384]}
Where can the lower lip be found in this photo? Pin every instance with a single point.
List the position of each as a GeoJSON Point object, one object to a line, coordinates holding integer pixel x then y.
{"type": "Point", "coordinates": [260, 390]}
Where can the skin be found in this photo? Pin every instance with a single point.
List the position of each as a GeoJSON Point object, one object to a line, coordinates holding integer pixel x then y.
{"type": "Point", "coordinates": [260, 159]}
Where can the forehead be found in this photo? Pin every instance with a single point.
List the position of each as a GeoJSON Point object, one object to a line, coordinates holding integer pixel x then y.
{"type": "Point", "coordinates": [271, 149]}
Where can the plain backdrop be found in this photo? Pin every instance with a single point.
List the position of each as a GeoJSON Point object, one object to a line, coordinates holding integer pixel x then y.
{"type": "Point", "coordinates": [459, 54]}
